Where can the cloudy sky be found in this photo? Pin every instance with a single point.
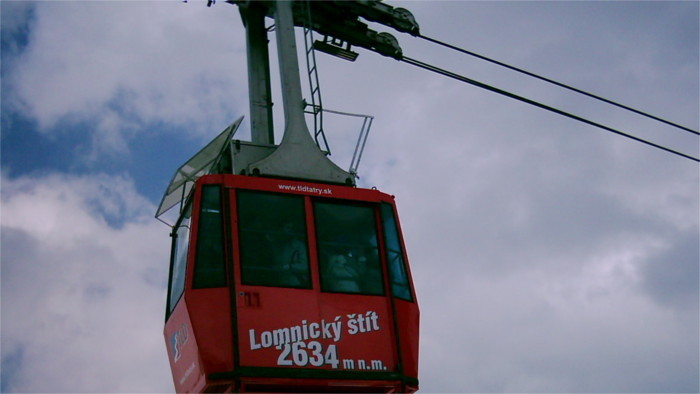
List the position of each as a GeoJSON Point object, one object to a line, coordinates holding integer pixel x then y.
{"type": "Point", "coordinates": [548, 256]}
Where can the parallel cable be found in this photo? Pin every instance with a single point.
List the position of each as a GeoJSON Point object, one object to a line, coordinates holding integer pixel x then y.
{"type": "Point", "coordinates": [539, 105]}
{"type": "Point", "coordinates": [558, 84]}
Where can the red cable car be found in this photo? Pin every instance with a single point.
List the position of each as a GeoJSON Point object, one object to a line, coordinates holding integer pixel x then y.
{"type": "Point", "coordinates": [284, 277]}
{"type": "Point", "coordinates": [282, 286]}
{"type": "Point", "coordinates": [279, 285]}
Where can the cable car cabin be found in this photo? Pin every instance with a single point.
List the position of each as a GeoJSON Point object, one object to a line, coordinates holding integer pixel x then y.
{"type": "Point", "coordinates": [288, 286]}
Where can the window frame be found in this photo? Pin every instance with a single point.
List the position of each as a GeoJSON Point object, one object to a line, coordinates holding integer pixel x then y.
{"type": "Point", "coordinates": [405, 282]}
{"type": "Point", "coordinates": [198, 273]}
{"type": "Point", "coordinates": [307, 280]}
{"type": "Point", "coordinates": [182, 268]}
{"type": "Point", "coordinates": [373, 208]}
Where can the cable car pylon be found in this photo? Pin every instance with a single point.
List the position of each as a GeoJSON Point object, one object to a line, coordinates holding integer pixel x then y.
{"type": "Point", "coordinates": [285, 276]}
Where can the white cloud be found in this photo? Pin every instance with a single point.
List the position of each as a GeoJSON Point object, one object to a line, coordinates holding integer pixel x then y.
{"type": "Point", "coordinates": [82, 300]}
{"type": "Point", "coordinates": [129, 65]}
{"type": "Point", "coordinates": [584, 329]}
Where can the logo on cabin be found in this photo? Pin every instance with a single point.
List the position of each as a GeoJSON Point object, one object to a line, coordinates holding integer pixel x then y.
{"type": "Point", "coordinates": [178, 341]}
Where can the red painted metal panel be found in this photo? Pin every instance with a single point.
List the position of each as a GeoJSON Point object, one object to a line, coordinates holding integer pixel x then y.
{"type": "Point", "coordinates": [408, 325]}
{"type": "Point", "coordinates": [210, 313]}
{"type": "Point", "coordinates": [288, 328]}
{"type": "Point", "coordinates": [183, 352]}
{"type": "Point", "coordinates": [366, 340]}
{"type": "Point", "coordinates": [270, 320]}
{"type": "Point", "coordinates": [297, 187]}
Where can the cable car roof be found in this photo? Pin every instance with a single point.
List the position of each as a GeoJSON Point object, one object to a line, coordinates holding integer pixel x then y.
{"type": "Point", "coordinates": [199, 164]}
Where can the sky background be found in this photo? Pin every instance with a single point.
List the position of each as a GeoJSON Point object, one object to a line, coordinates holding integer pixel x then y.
{"type": "Point", "coordinates": [548, 255]}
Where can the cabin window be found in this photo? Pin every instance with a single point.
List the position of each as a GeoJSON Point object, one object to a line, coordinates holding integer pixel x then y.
{"type": "Point", "coordinates": [273, 241]}
{"type": "Point", "coordinates": [209, 269]}
{"type": "Point", "coordinates": [347, 248]}
{"type": "Point", "coordinates": [394, 255]}
{"type": "Point", "coordinates": [181, 241]}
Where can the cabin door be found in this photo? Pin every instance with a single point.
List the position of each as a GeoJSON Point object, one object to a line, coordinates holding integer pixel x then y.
{"type": "Point", "coordinates": [353, 292]}
{"type": "Point", "coordinates": [277, 308]}
{"type": "Point", "coordinates": [311, 289]}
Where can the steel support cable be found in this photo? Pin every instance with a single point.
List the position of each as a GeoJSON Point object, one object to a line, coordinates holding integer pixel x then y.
{"type": "Point", "coordinates": [561, 85]}
{"type": "Point", "coordinates": [539, 105]}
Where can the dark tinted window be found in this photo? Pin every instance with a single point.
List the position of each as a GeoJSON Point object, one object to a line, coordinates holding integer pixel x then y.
{"type": "Point", "coordinates": [209, 269]}
{"type": "Point", "coordinates": [181, 242]}
{"type": "Point", "coordinates": [273, 242]}
{"type": "Point", "coordinates": [347, 248]}
{"type": "Point", "coordinates": [394, 252]}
